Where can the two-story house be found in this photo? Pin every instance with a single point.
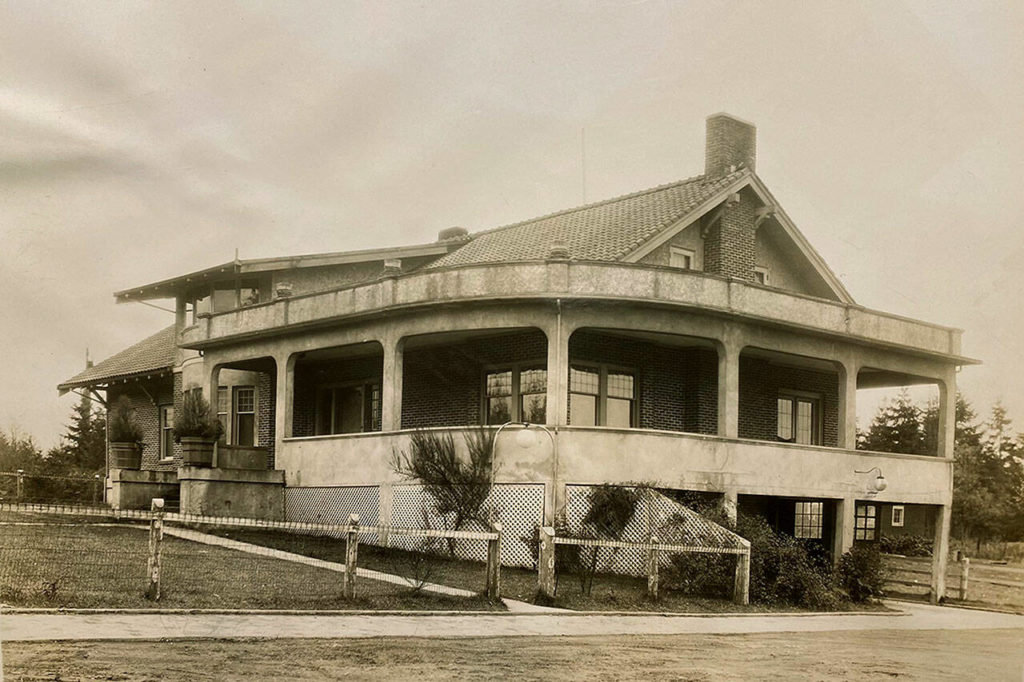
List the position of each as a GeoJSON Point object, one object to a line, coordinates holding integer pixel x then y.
{"type": "Point", "coordinates": [687, 335]}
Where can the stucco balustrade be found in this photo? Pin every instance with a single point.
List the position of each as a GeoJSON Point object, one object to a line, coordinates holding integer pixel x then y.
{"type": "Point", "coordinates": [643, 285]}
{"type": "Point", "coordinates": [675, 460]}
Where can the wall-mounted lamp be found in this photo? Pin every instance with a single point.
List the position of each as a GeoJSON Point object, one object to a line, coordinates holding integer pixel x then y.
{"type": "Point", "coordinates": [879, 484]}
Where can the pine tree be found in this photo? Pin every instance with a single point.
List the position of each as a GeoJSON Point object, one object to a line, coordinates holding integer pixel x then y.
{"type": "Point", "coordinates": [898, 426]}
{"type": "Point", "coordinates": [84, 446]}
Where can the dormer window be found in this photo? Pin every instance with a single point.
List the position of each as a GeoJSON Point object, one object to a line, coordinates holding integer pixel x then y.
{"type": "Point", "coordinates": [684, 259]}
{"type": "Point", "coordinates": [761, 276]}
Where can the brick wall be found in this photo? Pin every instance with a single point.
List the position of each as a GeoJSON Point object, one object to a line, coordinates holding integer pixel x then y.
{"type": "Point", "coordinates": [730, 246]}
{"type": "Point", "coordinates": [443, 385]}
{"type": "Point", "coordinates": [266, 411]}
{"type": "Point", "coordinates": [164, 391]}
{"type": "Point", "coordinates": [310, 376]}
{"type": "Point", "coordinates": [728, 142]}
{"type": "Point", "coordinates": [677, 388]}
{"type": "Point", "coordinates": [760, 384]}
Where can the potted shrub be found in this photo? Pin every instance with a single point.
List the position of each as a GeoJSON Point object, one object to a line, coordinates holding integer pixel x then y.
{"type": "Point", "coordinates": [197, 429]}
{"type": "Point", "coordinates": [125, 436]}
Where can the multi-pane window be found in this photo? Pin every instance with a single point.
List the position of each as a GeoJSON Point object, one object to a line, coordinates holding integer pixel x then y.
{"type": "Point", "coordinates": [864, 522]}
{"type": "Point", "coordinates": [601, 396]}
{"type": "Point", "coordinates": [897, 515]}
{"type": "Point", "coordinates": [166, 431]}
{"type": "Point", "coordinates": [807, 520]}
{"type": "Point", "coordinates": [516, 393]}
{"type": "Point", "coordinates": [348, 408]}
{"type": "Point", "coordinates": [244, 423]}
{"type": "Point", "coordinates": [798, 420]}
{"type": "Point", "coordinates": [223, 409]}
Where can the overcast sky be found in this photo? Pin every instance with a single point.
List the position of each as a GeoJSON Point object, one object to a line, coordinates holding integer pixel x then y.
{"type": "Point", "coordinates": [140, 141]}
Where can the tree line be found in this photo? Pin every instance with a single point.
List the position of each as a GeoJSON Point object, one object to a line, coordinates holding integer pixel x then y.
{"type": "Point", "coordinates": [82, 450]}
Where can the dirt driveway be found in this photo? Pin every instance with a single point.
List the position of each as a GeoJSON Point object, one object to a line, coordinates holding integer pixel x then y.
{"type": "Point", "coordinates": [863, 655]}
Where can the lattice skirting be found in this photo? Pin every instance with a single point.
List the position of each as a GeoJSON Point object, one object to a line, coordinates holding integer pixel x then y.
{"type": "Point", "coordinates": [334, 504]}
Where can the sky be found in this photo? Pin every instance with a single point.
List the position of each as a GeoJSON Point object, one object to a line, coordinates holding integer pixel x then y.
{"type": "Point", "coordinates": [139, 141]}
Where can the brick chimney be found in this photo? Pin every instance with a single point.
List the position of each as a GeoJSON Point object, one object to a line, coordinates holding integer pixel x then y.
{"type": "Point", "coordinates": [731, 143]}
{"type": "Point", "coordinates": [729, 237]}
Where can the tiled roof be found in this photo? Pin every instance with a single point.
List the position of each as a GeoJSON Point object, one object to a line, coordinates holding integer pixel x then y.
{"type": "Point", "coordinates": [152, 354]}
{"type": "Point", "coordinates": [605, 231]}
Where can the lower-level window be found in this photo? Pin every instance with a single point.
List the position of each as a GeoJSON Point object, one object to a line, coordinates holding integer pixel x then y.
{"type": "Point", "coordinates": [166, 431]}
{"type": "Point", "coordinates": [864, 522]}
{"type": "Point", "coordinates": [243, 430]}
{"type": "Point", "coordinates": [807, 520]}
{"type": "Point", "coordinates": [348, 408]}
{"type": "Point", "coordinates": [897, 515]}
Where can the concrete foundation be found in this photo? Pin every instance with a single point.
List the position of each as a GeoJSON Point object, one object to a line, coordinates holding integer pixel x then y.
{"type": "Point", "coordinates": [232, 492]}
{"type": "Point", "coordinates": [238, 457]}
{"type": "Point", "coordinates": [134, 489]}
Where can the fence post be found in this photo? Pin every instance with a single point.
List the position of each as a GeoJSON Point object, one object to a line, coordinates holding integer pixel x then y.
{"type": "Point", "coordinates": [965, 569]}
{"type": "Point", "coordinates": [95, 489]}
{"type": "Point", "coordinates": [494, 564]}
{"type": "Point", "coordinates": [156, 536]}
{"type": "Point", "coordinates": [351, 555]}
{"type": "Point", "coordinates": [741, 585]}
{"type": "Point", "coordinates": [21, 483]}
{"type": "Point", "coordinates": [546, 564]}
{"type": "Point", "coordinates": [652, 570]}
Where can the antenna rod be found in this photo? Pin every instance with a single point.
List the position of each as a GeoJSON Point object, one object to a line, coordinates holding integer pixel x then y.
{"type": "Point", "coordinates": [583, 162]}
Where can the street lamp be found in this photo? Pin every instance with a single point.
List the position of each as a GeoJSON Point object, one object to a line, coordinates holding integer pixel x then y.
{"type": "Point", "coordinates": [878, 485]}
{"type": "Point", "coordinates": [525, 440]}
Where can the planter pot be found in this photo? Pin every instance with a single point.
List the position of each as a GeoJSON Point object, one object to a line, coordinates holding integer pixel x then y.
{"type": "Point", "coordinates": [196, 452]}
{"type": "Point", "coordinates": [125, 455]}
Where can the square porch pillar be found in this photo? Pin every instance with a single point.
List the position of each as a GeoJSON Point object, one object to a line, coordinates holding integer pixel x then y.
{"type": "Point", "coordinates": [842, 537]}
{"type": "Point", "coordinates": [729, 386]}
{"type": "Point", "coordinates": [391, 384]}
{"type": "Point", "coordinates": [940, 552]}
{"type": "Point", "coordinates": [284, 400]}
{"type": "Point", "coordinates": [848, 404]}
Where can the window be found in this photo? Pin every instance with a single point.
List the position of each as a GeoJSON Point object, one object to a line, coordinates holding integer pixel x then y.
{"type": "Point", "coordinates": [897, 516]}
{"type": "Point", "coordinates": [166, 432]}
{"type": "Point", "coordinates": [223, 408]}
{"type": "Point", "coordinates": [602, 396]}
{"type": "Point", "coordinates": [799, 420]}
{"type": "Point", "coordinates": [243, 431]}
{"type": "Point", "coordinates": [807, 520]}
{"type": "Point", "coordinates": [348, 408]}
{"type": "Point", "coordinates": [864, 522]}
{"type": "Point", "coordinates": [516, 393]}
{"type": "Point", "coordinates": [679, 257]}
{"type": "Point", "coordinates": [761, 275]}
{"type": "Point", "coordinates": [223, 296]}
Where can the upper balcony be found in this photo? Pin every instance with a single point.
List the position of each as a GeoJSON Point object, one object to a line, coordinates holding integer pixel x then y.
{"type": "Point", "coordinates": [584, 281]}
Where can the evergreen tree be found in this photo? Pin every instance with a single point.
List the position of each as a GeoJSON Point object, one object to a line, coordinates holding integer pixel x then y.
{"type": "Point", "coordinates": [898, 426]}
{"type": "Point", "coordinates": [83, 449]}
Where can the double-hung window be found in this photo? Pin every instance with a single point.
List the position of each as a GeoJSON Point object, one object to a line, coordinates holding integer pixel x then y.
{"type": "Point", "coordinates": [516, 392]}
{"type": "Point", "coordinates": [243, 424]}
{"type": "Point", "coordinates": [600, 395]}
{"type": "Point", "coordinates": [166, 432]}
{"type": "Point", "coordinates": [799, 418]}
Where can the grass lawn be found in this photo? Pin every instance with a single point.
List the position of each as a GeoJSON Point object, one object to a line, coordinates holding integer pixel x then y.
{"type": "Point", "coordinates": [105, 566]}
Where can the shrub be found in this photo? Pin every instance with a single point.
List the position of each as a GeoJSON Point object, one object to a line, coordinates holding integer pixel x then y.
{"type": "Point", "coordinates": [859, 573]}
{"type": "Point", "coordinates": [907, 545]}
{"type": "Point", "coordinates": [122, 427]}
{"type": "Point", "coordinates": [195, 419]}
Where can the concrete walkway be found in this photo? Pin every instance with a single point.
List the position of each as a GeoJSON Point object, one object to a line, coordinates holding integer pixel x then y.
{"type": "Point", "coordinates": [55, 626]}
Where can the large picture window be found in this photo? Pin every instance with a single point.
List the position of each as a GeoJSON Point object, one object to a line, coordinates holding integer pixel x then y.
{"type": "Point", "coordinates": [602, 396]}
{"type": "Point", "coordinates": [348, 408]}
{"type": "Point", "coordinates": [799, 419]}
{"type": "Point", "coordinates": [516, 393]}
{"type": "Point", "coordinates": [243, 431]}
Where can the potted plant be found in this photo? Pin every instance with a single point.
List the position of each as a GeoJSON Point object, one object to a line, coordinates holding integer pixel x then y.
{"type": "Point", "coordinates": [125, 436]}
{"type": "Point", "coordinates": [197, 429]}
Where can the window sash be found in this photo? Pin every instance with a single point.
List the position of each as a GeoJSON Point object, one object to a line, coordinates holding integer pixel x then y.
{"type": "Point", "coordinates": [515, 392]}
{"type": "Point", "coordinates": [244, 421]}
{"type": "Point", "coordinates": [808, 520]}
{"type": "Point", "coordinates": [602, 396]}
{"type": "Point", "coordinates": [167, 432]}
{"type": "Point", "coordinates": [798, 420]}
{"type": "Point", "coordinates": [865, 522]}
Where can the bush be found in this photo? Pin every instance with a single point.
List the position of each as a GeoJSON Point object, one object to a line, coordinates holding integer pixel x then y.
{"type": "Point", "coordinates": [907, 545]}
{"type": "Point", "coordinates": [859, 573]}
{"type": "Point", "coordinates": [195, 419]}
{"type": "Point", "coordinates": [122, 427]}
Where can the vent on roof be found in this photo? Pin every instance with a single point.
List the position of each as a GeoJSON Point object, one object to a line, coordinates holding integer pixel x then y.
{"type": "Point", "coordinates": [731, 143]}
{"type": "Point", "coordinates": [451, 233]}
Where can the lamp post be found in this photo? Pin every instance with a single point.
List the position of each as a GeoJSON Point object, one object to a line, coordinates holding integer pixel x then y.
{"type": "Point", "coordinates": [525, 440]}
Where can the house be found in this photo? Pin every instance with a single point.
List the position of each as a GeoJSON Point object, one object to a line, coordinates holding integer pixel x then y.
{"type": "Point", "coordinates": [687, 335]}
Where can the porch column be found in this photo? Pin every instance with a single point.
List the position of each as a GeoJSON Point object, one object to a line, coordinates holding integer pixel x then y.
{"type": "Point", "coordinates": [729, 348]}
{"type": "Point", "coordinates": [940, 553]}
{"type": "Point", "coordinates": [391, 384]}
{"type": "Point", "coordinates": [947, 414]}
{"type": "Point", "coordinates": [730, 505]}
{"type": "Point", "coordinates": [842, 538]}
{"type": "Point", "coordinates": [285, 401]}
{"type": "Point", "coordinates": [558, 371]}
{"type": "Point", "coordinates": [848, 403]}
{"type": "Point", "coordinates": [212, 384]}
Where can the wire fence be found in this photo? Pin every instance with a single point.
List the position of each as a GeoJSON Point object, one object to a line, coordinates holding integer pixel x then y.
{"type": "Point", "coordinates": [89, 557]}
{"type": "Point", "coordinates": [24, 486]}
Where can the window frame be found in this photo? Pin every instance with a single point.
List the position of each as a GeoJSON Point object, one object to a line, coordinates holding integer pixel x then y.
{"type": "Point", "coordinates": [902, 516]}
{"type": "Point", "coordinates": [817, 415]}
{"type": "Point", "coordinates": [682, 251]}
{"type": "Point", "coordinates": [516, 395]}
{"type": "Point", "coordinates": [166, 415]}
{"type": "Point", "coordinates": [765, 273]}
{"type": "Point", "coordinates": [370, 409]}
{"type": "Point", "coordinates": [865, 532]}
{"type": "Point", "coordinates": [603, 369]}
{"type": "Point", "coordinates": [235, 428]}
{"type": "Point", "coordinates": [808, 517]}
